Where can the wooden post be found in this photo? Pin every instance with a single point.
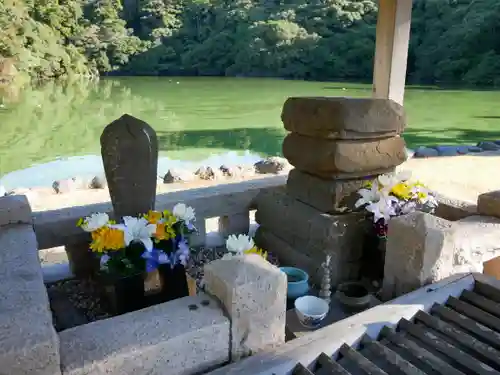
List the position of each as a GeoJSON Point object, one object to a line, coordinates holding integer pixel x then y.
{"type": "Point", "coordinates": [391, 50]}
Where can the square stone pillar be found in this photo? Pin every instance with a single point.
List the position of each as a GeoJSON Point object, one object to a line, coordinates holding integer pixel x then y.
{"type": "Point", "coordinates": [253, 292]}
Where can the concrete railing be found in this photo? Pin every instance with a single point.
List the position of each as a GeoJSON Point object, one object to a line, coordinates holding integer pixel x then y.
{"type": "Point", "coordinates": [230, 202]}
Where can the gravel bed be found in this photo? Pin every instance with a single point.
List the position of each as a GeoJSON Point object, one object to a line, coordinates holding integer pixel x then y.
{"type": "Point", "coordinates": [77, 301]}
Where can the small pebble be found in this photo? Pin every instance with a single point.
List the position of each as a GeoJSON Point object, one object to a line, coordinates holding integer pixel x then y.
{"type": "Point", "coordinates": [84, 294]}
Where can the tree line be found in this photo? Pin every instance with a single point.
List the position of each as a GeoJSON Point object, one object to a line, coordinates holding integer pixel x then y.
{"type": "Point", "coordinates": [452, 41]}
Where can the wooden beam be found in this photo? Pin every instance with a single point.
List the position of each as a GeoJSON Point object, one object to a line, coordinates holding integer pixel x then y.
{"type": "Point", "coordinates": [391, 50]}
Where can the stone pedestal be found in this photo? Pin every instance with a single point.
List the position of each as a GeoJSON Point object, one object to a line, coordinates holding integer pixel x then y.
{"type": "Point", "coordinates": [336, 145]}
{"type": "Point", "coordinates": [253, 292]}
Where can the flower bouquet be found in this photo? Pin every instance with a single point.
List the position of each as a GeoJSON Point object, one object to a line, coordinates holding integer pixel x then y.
{"type": "Point", "coordinates": [138, 246]}
{"type": "Point", "coordinates": [387, 196]}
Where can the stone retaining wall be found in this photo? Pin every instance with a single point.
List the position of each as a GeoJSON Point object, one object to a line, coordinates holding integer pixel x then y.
{"type": "Point", "coordinates": [242, 315]}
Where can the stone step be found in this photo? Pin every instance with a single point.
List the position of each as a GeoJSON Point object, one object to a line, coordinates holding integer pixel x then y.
{"type": "Point", "coordinates": [474, 313]}
{"type": "Point", "coordinates": [396, 364]}
{"type": "Point", "coordinates": [478, 330]}
{"type": "Point", "coordinates": [327, 366]}
{"type": "Point", "coordinates": [460, 337]}
{"type": "Point", "coordinates": [467, 342]}
{"type": "Point", "coordinates": [457, 357]}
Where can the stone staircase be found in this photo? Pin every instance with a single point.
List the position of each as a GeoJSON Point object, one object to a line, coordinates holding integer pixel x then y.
{"type": "Point", "coordinates": [459, 337]}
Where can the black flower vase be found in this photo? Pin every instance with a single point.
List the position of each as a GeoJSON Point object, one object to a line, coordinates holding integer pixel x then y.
{"type": "Point", "coordinates": [125, 294]}
{"type": "Point", "coordinates": [174, 282]}
{"type": "Point", "coordinates": [373, 259]}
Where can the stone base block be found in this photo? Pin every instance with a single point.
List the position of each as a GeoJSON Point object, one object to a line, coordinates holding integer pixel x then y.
{"type": "Point", "coordinates": [15, 209]}
{"type": "Point", "coordinates": [30, 345]}
{"type": "Point", "coordinates": [185, 336]}
{"type": "Point", "coordinates": [331, 196]}
{"type": "Point", "coordinates": [311, 263]}
{"type": "Point", "coordinates": [310, 231]}
{"type": "Point", "coordinates": [332, 158]}
{"type": "Point", "coordinates": [488, 204]}
{"type": "Point", "coordinates": [253, 293]}
{"type": "Point", "coordinates": [420, 250]}
{"type": "Point", "coordinates": [343, 118]}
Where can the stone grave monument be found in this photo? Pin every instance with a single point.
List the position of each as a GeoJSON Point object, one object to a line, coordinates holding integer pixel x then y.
{"type": "Point", "coordinates": [335, 145]}
{"type": "Point", "coordinates": [129, 149]}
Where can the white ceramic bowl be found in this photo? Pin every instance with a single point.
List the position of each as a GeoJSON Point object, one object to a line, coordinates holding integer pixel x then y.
{"type": "Point", "coordinates": [311, 310]}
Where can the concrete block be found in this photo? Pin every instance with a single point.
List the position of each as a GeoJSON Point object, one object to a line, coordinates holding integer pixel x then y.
{"type": "Point", "coordinates": [181, 337]}
{"type": "Point", "coordinates": [419, 251]}
{"type": "Point", "coordinates": [343, 118]}
{"type": "Point", "coordinates": [253, 292]}
{"type": "Point", "coordinates": [30, 345]}
{"type": "Point", "coordinates": [344, 158]}
{"type": "Point", "coordinates": [489, 203]}
{"type": "Point", "coordinates": [326, 195]}
{"type": "Point", "coordinates": [310, 231]}
{"type": "Point", "coordinates": [15, 209]}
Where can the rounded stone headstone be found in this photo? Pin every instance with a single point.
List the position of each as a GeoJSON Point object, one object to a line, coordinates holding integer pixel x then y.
{"type": "Point", "coordinates": [129, 149]}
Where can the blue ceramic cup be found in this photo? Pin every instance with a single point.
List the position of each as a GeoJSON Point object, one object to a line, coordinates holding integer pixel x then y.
{"type": "Point", "coordinates": [298, 282]}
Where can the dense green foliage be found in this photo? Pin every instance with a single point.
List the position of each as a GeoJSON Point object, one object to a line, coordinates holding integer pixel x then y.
{"type": "Point", "coordinates": [452, 40]}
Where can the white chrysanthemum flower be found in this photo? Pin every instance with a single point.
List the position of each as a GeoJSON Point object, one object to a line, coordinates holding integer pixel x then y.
{"type": "Point", "coordinates": [137, 230]}
{"type": "Point", "coordinates": [383, 209]}
{"type": "Point", "coordinates": [239, 244]}
{"type": "Point", "coordinates": [368, 196]}
{"type": "Point", "coordinates": [95, 222]}
{"type": "Point", "coordinates": [184, 213]}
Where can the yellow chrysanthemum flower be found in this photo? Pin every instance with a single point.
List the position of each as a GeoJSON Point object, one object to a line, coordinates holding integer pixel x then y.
{"type": "Point", "coordinates": [401, 190]}
{"type": "Point", "coordinates": [153, 217]}
{"type": "Point", "coordinates": [422, 195]}
{"type": "Point", "coordinates": [107, 239]}
{"type": "Point", "coordinates": [255, 250]}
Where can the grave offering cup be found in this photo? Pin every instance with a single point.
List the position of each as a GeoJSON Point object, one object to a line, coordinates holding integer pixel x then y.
{"type": "Point", "coordinates": [297, 282]}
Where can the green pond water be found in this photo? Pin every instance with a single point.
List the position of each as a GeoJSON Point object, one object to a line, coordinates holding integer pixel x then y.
{"type": "Point", "coordinates": [196, 118]}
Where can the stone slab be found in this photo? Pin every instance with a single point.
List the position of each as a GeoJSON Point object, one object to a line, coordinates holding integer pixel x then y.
{"type": "Point", "coordinates": [343, 118]}
{"type": "Point", "coordinates": [420, 250]}
{"type": "Point", "coordinates": [344, 158]}
{"type": "Point", "coordinates": [489, 203]}
{"type": "Point", "coordinates": [326, 195]}
{"type": "Point", "coordinates": [15, 209]}
{"type": "Point", "coordinates": [476, 241]}
{"type": "Point", "coordinates": [183, 336]}
{"type": "Point", "coordinates": [253, 292]}
{"type": "Point", "coordinates": [311, 263]}
{"type": "Point", "coordinates": [310, 231]}
{"type": "Point", "coordinates": [454, 209]}
{"type": "Point", "coordinates": [30, 345]}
